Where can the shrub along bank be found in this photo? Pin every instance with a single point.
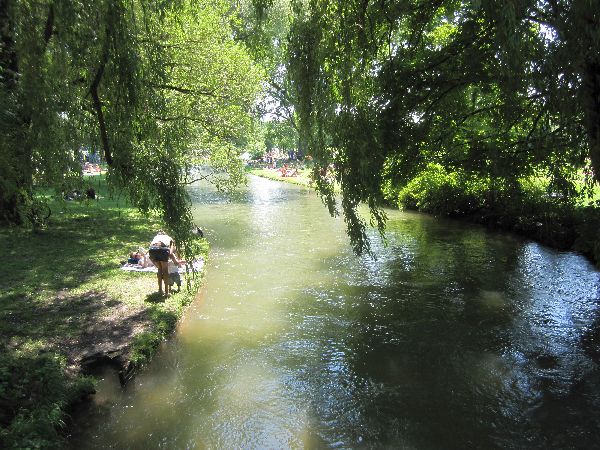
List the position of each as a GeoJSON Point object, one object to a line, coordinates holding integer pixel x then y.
{"type": "Point", "coordinates": [65, 306]}
{"type": "Point", "coordinates": [529, 207]}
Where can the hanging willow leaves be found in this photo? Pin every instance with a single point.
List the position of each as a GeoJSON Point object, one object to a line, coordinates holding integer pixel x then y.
{"type": "Point", "coordinates": [156, 86]}
{"type": "Point", "coordinates": [500, 89]}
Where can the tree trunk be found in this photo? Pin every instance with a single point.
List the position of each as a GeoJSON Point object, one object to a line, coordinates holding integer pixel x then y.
{"type": "Point", "coordinates": [11, 198]}
{"type": "Point", "coordinates": [17, 165]}
{"type": "Point", "coordinates": [8, 55]}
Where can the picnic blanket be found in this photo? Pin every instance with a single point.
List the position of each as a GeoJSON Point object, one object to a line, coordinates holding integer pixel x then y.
{"type": "Point", "coordinates": [196, 265]}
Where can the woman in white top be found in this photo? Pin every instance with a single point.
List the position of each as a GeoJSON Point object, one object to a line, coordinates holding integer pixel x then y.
{"type": "Point", "coordinates": [162, 248]}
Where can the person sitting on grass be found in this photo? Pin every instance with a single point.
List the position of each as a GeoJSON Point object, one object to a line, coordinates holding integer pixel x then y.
{"type": "Point", "coordinates": [162, 248]}
{"type": "Point", "coordinates": [139, 258]}
{"type": "Point", "coordinates": [134, 258]}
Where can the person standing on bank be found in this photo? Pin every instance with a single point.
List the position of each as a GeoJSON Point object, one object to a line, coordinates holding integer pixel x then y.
{"type": "Point", "coordinates": [162, 248]}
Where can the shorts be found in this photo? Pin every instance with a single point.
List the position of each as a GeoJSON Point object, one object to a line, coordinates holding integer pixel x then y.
{"type": "Point", "coordinates": [159, 253]}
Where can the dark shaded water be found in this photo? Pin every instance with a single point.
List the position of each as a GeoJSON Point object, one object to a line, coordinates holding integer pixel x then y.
{"type": "Point", "coordinates": [454, 337]}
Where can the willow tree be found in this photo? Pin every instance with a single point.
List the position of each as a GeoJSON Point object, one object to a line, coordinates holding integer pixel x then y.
{"type": "Point", "coordinates": [157, 86]}
{"type": "Point", "coordinates": [501, 88]}
{"type": "Point", "coordinates": [263, 28]}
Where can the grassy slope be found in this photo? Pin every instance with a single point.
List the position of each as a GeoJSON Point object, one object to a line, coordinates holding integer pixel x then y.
{"type": "Point", "coordinates": [64, 298]}
{"type": "Point", "coordinates": [302, 179]}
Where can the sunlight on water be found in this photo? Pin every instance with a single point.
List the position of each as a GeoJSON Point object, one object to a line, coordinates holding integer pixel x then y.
{"type": "Point", "coordinates": [453, 337]}
{"type": "Point", "coordinates": [493, 299]}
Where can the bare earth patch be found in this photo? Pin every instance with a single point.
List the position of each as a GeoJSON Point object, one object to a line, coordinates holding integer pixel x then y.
{"type": "Point", "coordinates": [106, 329]}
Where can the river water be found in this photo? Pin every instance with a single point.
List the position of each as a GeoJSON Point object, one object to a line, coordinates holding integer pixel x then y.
{"type": "Point", "coordinates": [453, 337]}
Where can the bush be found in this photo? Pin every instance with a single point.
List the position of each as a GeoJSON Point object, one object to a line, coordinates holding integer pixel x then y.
{"type": "Point", "coordinates": [435, 190]}
{"type": "Point", "coordinates": [527, 206]}
{"type": "Point", "coordinates": [33, 395]}
{"type": "Point", "coordinates": [588, 232]}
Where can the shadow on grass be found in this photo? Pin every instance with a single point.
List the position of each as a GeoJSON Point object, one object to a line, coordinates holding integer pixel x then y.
{"type": "Point", "coordinates": [84, 243]}
{"type": "Point", "coordinates": [35, 288]}
{"type": "Point", "coordinates": [49, 321]}
{"type": "Point", "coordinates": [55, 309]}
{"type": "Point", "coordinates": [65, 256]}
{"type": "Point", "coordinates": [155, 297]}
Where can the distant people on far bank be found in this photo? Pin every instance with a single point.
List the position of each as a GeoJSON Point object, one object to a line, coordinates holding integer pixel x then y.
{"type": "Point", "coordinates": [286, 171]}
{"type": "Point", "coordinates": [91, 169]}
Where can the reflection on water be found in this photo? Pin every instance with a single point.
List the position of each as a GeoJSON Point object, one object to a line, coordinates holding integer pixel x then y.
{"type": "Point", "coordinates": [454, 337]}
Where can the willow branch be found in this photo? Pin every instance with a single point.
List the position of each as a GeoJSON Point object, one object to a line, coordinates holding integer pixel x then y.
{"type": "Point", "coordinates": [183, 90]}
{"type": "Point", "coordinates": [202, 178]}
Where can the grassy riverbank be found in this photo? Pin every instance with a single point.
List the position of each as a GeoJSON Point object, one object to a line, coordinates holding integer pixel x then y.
{"type": "Point", "coordinates": [303, 177]}
{"type": "Point", "coordinates": [526, 209]}
{"type": "Point", "coordinates": [529, 208]}
{"type": "Point", "coordinates": [65, 305]}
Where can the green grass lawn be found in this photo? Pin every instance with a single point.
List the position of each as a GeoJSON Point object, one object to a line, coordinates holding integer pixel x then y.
{"type": "Point", "coordinates": [63, 298]}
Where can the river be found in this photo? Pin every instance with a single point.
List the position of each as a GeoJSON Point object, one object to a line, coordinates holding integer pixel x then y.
{"type": "Point", "coordinates": [453, 337]}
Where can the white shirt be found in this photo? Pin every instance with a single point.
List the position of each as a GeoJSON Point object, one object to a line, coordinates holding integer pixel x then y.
{"type": "Point", "coordinates": [162, 238]}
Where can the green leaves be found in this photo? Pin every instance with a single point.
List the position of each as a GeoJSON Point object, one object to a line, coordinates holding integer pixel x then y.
{"type": "Point", "coordinates": [153, 86]}
{"type": "Point", "coordinates": [495, 89]}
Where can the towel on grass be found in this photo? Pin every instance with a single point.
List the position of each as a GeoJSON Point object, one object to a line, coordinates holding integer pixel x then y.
{"type": "Point", "coordinates": [196, 265]}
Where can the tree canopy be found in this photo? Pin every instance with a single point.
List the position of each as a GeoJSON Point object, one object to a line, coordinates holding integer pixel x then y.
{"type": "Point", "coordinates": [383, 88]}
{"type": "Point", "coordinates": [376, 91]}
{"type": "Point", "coordinates": [156, 86]}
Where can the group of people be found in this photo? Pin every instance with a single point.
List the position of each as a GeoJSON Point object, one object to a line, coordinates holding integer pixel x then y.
{"type": "Point", "coordinates": [286, 171]}
{"type": "Point", "coordinates": [162, 254]}
{"type": "Point", "coordinates": [91, 168]}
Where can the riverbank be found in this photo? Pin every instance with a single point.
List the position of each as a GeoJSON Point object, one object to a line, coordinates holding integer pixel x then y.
{"type": "Point", "coordinates": [302, 178]}
{"type": "Point", "coordinates": [527, 208]}
{"type": "Point", "coordinates": [532, 213]}
{"type": "Point", "coordinates": [66, 307]}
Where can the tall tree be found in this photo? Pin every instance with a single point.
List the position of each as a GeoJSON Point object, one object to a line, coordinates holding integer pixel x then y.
{"type": "Point", "coordinates": [501, 88]}
{"type": "Point", "coordinates": [264, 29]}
{"type": "Point", "coordinates": [156, 85]}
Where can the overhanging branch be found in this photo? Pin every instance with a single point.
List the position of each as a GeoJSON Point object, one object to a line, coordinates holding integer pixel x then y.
{"type": "Point", "coordinates": [184, 90]}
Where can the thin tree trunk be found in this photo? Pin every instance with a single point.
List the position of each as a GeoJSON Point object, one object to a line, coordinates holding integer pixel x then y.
{"type": "Point", "coordinates": [100, 115]}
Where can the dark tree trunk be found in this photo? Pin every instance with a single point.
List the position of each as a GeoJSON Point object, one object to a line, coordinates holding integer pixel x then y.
{"type": "Point", "coordinates": [16, 170]}
{"type": "Point", "coordinates": [10, 197]}
{"type": "Point", "coordinates": [8, 56]}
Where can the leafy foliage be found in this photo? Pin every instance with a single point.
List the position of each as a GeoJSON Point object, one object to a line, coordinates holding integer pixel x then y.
{"type": "Point", "coordinates": [157, 86]}
{"type": "Point", "coordinates": [530, 206]}
{"type": "Point", "coordinates": [438, 191]}
{"type": "Point", "coordinates": [264, 29]}
{"type": "Point", "coordinates": [34, 395]}
{"type": "Point", "coordinates": [498, 90]}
